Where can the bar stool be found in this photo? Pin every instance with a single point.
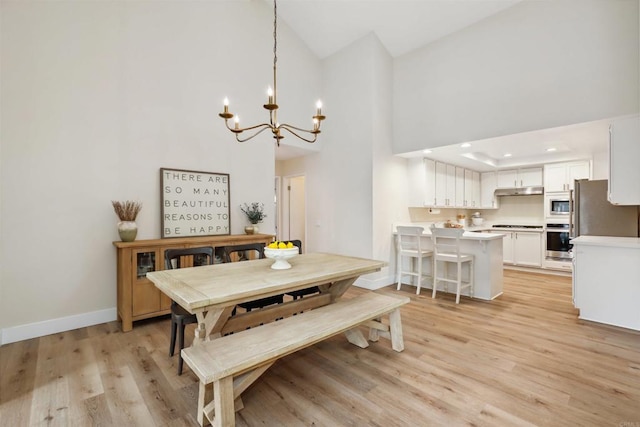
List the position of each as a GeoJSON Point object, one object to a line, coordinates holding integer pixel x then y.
{"type": "Point", "coordinates": [409, 244]}
{"type": "Point", "coordinates": [446, 246]}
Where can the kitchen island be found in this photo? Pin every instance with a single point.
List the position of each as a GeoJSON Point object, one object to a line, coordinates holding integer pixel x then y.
{"type": "Point", "coordinates": [606, 279]}
{"type": "Point", "coordinates": [487, 250]}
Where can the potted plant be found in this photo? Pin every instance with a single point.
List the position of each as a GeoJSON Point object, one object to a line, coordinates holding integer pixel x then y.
{"type": "Point", "coordinates": [127, 212]}
{"type": "Point", "coordinates": [255, 214]}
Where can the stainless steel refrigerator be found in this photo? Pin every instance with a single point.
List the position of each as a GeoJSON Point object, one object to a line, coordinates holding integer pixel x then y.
{"type": "Point", "coordinates": [593, 215]}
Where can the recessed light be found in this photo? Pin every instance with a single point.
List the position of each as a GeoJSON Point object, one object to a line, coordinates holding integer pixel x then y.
{"type": "Point", "coordinates": [426, 151]}
{"type": "Point", "coordinates": [465, 145]}
{"type": "Point", "coordinates": [508, 155]}
{"type": "Point", "coordinates": [549, 150]}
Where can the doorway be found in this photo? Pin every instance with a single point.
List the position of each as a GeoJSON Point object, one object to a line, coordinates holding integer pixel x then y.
{"type": "Point", "coordinates": [293, 223]}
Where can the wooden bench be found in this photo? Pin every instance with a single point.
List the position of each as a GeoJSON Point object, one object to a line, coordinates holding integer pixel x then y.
{"type": "Point", "coordinates": [233, 362]}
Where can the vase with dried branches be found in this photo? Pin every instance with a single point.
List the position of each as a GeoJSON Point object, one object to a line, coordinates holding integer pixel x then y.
{"type": "Point", "coordinates": [127, 212]}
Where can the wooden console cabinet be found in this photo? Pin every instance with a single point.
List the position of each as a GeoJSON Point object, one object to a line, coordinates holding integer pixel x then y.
{"type": "Point", "coordinates": [138, 298]}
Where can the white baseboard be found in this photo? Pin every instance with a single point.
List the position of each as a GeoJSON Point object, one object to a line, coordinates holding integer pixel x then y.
{"type": "Point", "coordinates": [53, 326]}
{"type": "Point", "coordinates": [373, 283]}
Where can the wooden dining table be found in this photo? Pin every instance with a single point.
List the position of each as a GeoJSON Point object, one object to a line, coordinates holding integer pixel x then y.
{"type": "Point", "coordinates": [212, 292]}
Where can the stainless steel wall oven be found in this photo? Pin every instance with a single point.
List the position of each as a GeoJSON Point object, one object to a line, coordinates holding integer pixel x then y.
{"type": "Point", "coordinates": [558, 246]}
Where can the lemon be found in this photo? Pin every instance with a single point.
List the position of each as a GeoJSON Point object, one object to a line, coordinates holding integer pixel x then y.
{"type": "Point", "coordinates": [289, 245]}
{"type": "Point", "coordinates": [282, 245]}
{"type": "Point", "coordinates": [273, 245]}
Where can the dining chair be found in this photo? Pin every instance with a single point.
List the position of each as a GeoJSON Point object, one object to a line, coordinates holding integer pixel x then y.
{"type": "Point", "coordinates": [446, 246]}
{"type": "Point", "coordinates": [243, 253]}
{"type": "Point", "coordinates": [409, 245]}
{"type": "Point", "coordinates": [175, 258]}
{"type": "Point", "coordinates": [301, 292]}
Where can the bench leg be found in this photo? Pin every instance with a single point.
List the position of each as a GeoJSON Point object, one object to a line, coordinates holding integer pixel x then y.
{"type": "Point", "coordinates": [395, 325]}
{"type": "Point", "coordinates": [354, 336]}
{"type": "Point", "coordinates": [225, 415]}
{"type": "Point", "coordinates": [374, 334]}
{"type": "Point", "coordinates": [205, 394]}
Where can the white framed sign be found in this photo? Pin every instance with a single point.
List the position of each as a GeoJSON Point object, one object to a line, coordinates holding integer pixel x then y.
{"type": "Point", "coordinates": [194, 203]}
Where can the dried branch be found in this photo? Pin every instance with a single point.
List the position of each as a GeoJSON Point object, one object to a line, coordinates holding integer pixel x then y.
{"type": "Point", "coordinates": [127, 210]}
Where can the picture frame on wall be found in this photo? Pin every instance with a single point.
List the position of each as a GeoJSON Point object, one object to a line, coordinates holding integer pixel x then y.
{"type": "Point", "coordinates": [194, 203]}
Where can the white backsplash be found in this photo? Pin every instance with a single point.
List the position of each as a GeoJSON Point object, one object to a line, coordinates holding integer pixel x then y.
{"type": "Point", "coordinates": [521, 210]}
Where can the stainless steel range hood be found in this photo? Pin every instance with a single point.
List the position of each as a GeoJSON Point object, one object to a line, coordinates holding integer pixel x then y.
{"type": "Point", "coordinates": [520, 191]}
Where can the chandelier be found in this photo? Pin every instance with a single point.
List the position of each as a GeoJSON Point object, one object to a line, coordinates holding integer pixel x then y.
{"type": "Point", "coordinates": [308, 135]}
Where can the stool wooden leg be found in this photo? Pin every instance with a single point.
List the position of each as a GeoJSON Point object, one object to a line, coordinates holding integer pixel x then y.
{"type": "Point", "coordinates": [435, 278]}
{"type": "Point", "coordinates": [458, 283]}
{"type": "Point", "coordinates": [399, 269]}
{"type": "Point", "coordinates": [419, 261]}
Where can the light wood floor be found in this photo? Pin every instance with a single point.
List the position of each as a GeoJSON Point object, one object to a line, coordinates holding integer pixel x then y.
{"type": "Point", "coordinates": [523, 359]}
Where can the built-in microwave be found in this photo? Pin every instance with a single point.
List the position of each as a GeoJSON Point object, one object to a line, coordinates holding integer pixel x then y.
{"type": "Point", "coordinates": [557, 205]}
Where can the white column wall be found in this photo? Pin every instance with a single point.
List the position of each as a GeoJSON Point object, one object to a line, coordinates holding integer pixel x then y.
{"type": "Point", "coordinates": [536, 65]}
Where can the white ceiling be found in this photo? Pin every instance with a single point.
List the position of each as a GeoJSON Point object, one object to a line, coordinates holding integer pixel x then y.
{"type": "Point", "coordinates": [327, 26]}
{"type": "Point", "coordinates": [573, 142]}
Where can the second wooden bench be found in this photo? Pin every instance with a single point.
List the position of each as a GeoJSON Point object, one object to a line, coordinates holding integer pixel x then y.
{"type": "Point", "coordinates": [233, 362]}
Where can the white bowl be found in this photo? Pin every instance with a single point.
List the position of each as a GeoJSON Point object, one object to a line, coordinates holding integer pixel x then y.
{"type": "Point", "coordinates": [477, 221]}
{"type": "Point", "coordinates": [281, 256]}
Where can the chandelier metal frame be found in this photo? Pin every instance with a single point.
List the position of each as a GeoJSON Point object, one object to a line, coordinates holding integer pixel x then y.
{"type": "Point", "coordinates": [310, 134]}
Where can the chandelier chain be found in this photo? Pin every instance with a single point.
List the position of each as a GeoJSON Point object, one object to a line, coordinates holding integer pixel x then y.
{"type": "Point", "coordinates": [275, 34]}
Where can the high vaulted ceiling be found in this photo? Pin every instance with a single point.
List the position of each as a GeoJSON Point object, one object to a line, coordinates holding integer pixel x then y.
{"type": "Point", "coordinates": [327, 26]}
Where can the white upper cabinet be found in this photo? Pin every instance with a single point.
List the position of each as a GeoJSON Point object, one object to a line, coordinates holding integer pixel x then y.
{"type": "Point", "coordinates": [430, 177]}
{"type": "Point", "coordinates": [560, 176]}
{"type": "Point", "coordinates": [416, 182]}
{"type": "Point", "coordinates": [624, 159]}
{"type": "Point", "coordinates": [445, 185]}
{"type": "Point", "coordinates": [471, 189]}
{"type": "Point", "coordinates": [461, 189]}
{"type": "Point", "coordinates": [489, 183]}
{"type": "Point", "coordinates": [514, 178]}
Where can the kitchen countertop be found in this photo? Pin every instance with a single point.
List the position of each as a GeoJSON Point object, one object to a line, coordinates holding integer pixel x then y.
{"type": "Point", "coordinates": [469, 234]}
{"type": "Point", "coordinates": [616, 242]}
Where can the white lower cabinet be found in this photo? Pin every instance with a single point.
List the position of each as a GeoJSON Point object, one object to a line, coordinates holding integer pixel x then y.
{"type": "Point", "coordinates": [522, 248]}
{"type": "Point", "coordinates": [606, 280]}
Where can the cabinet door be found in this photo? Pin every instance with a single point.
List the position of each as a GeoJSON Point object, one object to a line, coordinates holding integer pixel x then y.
{"type": "Point", "coordinates": [529, 177]}
{"type": "Point", "coordinates": [416, 185]}
{"type": "Point", "coordinates": [488, 185]}
{"type": "Point", "coordinates": [555, 178]}
{"type": "Point", "coordinates": [430, 182]}
{"type": "Point", "coordinates": [507, 248]}
{"type": "Point", "coordinates": [475, 186]}
{"type": "Point", "coordinates": [451, 185]}
{"type": "Point", "coordinates": [461, 188]}
{"type": "Point", "coordinates": [145, 296]}
{"type": "Point", "coordinates": [441, 184]}
{"type": "Point", "coordinates": [578, 170]}
{"type": "Point", "coordinates": [507, 179]}
{"type": "Point", "coordinates": [526, 247]}
{"type": "Point", "coordinates": [468, 188]}
{"type": "Point", "coordinates": [624, 153]}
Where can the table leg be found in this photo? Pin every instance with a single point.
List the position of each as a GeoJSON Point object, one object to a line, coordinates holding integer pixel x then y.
{"type": "Point", "coordinates": [210, 323]}
{"type": "Point", "coordinates": [337, 289]}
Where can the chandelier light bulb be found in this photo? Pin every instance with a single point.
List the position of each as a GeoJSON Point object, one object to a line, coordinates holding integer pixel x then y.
{"type": "Point", "coordinates": [226, 101]}
{"type": "Point", "coordinates": [237, 120]}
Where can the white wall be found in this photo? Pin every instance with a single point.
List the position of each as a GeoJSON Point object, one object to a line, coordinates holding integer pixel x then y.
{"type": "Point", "coordinates": [96, 98]}
{"type": "Point", "coordinates": [536, 65]}
{"type": "Point", "coordinates": [339, 178]}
